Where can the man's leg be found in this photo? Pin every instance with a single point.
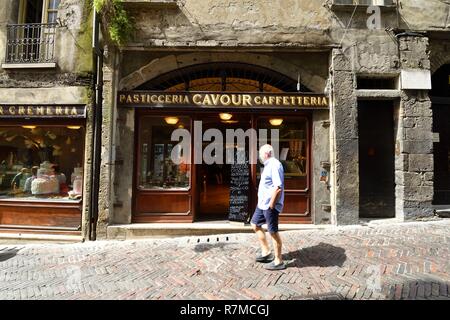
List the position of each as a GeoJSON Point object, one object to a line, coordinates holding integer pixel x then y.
{"type": "Point", "coordinates": [271, 216]}
{"type": "Point", "coordinates": [265, 249]}
{"type": "Point", "coordinates": [257, 220]}
{"type": "Point", "coordinates": [277, 245]}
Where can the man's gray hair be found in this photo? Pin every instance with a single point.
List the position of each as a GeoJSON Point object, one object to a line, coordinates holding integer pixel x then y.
{"type": "Point", "coordinates": [267, 148]}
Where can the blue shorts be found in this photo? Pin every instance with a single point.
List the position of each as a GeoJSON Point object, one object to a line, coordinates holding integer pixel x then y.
{"type": "Point", "coordinates": [269, 216]}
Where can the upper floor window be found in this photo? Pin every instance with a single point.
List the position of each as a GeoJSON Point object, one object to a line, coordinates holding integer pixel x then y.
{"type": "Point", "coordinates": [38, 11]}
{"type": "Point", "coordinates": [31, 42]}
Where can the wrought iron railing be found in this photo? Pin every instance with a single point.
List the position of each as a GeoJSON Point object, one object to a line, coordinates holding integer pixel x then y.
{"type": "Point", "coordinates": [30, 43]}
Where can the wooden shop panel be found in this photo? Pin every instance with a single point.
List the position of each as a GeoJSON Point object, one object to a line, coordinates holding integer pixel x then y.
{"type": "Point", "coordinates": [158, 203]}
{"type": "Point", "coordinates": [40, 215]}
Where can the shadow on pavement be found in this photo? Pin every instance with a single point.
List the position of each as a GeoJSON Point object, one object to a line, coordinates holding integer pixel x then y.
{"type": "Point", "coordinates": [321, 255]}
{"type": "Point", "coordinates": [8, 254]}
{"type": "Point", "coordinates": [203, 247]}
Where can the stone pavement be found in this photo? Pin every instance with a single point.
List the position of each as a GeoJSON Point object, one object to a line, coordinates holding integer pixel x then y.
{"type": "Point", "coordinates": [400, 261]}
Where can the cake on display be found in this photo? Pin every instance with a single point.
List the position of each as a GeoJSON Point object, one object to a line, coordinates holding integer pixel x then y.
{"type": "Point", "coordinates": [77, 183]}
{"type": "Point", "coordinates": [77, 172]}
{"type": "Point", "coordinates": [46, 181]}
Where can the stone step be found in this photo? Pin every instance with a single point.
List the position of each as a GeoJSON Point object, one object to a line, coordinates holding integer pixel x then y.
{"type": "Point", "coordinates": [170, 230]}
{"type": "Point", "coordinates": [15, 237]}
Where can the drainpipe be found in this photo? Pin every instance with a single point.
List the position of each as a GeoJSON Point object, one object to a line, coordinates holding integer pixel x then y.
{"type": "Point", "coordinates": [97, 130]}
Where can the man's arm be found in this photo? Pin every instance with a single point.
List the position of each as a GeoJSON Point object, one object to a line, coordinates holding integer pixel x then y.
{"type": "Point", "coordinates": [275, 194]}
{"type": "Point", "coordinates": [277, 179]}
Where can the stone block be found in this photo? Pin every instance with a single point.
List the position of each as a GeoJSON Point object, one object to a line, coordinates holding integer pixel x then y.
{"type": "Point", "coordinates": [340, 62]}
{"type": "Point", "coordinates": [402, 162]}
{"type": "Point", "coordinates": [346, 126]}
{"type": "Point", "coordinates": [418, 134]}
{"type": "Point", "coordinates": [409, 122]}
{"type": "Point", "coordinates": [411, 214]}
{"type": "Point", "coordinates": [418, 194]}
{"type": "Point", "coordinates": [399, 178]}
{"type": "Point", "coordinates": [347, 182]}
{"type": "Point", "coordinates": [425, 123]}
{"type": "Point", "coordinates": [420, 162]}
{"type": "Point", "coordinates": [428, 176]}
{"type": "Point", "coordinates": [416, 147]}
{"type": "Point", "coordinates": [416, 108]}
{"type": "Point", "coordinates": [412, 179]}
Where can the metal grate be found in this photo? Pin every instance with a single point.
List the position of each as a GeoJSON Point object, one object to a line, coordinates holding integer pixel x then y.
{"type": "Point", "coordinates": [223, 77]}
{"type": "Point", "coordinates": [30, 43]}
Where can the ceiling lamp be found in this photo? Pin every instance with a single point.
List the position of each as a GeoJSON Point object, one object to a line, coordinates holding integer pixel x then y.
{"type": "Point", "coordinates": [171, 120]}
{"type": "Point", "coordinates": [29, 127]}
{"type": "Point", "coordinates": [73, 127]}
{"type": "Point", "coordinates": [225, 116]}
{"type": "Point", "coordinates": [276, 121]}
{"type": "Point", "coordinates": [230, 121]}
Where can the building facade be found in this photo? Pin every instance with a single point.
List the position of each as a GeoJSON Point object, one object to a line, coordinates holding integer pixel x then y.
{"type": "Point", "coordinates": [359, 95]}
{"type": "Point", "coordinates": [46, 109]}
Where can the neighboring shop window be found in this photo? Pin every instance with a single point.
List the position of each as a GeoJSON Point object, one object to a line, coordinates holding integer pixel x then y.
{"type": "Point", "coordinates": [157, 170]}
{"type": "Point", "coordinates": [293, 149]}
{"type": "Point", "coordinates": [41, 162]}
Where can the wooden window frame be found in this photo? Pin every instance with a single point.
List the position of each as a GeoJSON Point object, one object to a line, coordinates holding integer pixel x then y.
{"type": "Point", "coordinates": [45, 11]}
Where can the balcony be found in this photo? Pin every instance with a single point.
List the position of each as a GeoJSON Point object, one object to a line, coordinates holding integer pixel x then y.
{"type": "Point", "coordinates": [362, 5]}
{"type": "Point", "coordinates": [30, 45]}
{"type": "Point", "coordinates": [155, 4]}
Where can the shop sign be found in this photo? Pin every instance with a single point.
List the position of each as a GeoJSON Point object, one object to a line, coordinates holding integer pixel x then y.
{"type": "Point", "coordinates": [42, 111]}
{"type": "Point", "coordinates": [203, 99]}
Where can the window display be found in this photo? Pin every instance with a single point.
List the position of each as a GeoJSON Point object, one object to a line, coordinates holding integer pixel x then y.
{"type": "Point", "coordinates": [292, 149]}
{"type": "Point", "coordinates": [157, 168]}
{"type": "Point", "coordinates": [41, 162]}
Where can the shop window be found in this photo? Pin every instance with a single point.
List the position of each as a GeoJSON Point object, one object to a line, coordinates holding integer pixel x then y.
{"type": "Point", "coordinates": [41, 163]}
{"type": "Point", "coordinates": [293, 149]}
{"type": "Point", "coordinates": [157, 168]}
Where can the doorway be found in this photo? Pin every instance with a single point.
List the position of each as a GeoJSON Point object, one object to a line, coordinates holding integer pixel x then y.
{"type": "Point", "coordinates": [440, 96]}
{"type": "Point", "coordinates": [213, 179]}
{"type": "Point", "coordinates": [376, 159]}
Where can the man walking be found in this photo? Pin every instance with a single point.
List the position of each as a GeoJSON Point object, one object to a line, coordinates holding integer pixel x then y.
{"type": "Point", "coordinates": [270, 204]}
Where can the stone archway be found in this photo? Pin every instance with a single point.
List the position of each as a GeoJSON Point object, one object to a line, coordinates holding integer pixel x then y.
{"type": "Point", "coordinates": [172, 62]}
{"type": "Point", "coordinates": [440, 56]}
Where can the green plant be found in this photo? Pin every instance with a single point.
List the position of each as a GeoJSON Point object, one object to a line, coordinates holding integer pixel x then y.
{"type": "Point", "coordinates": [116, 20]}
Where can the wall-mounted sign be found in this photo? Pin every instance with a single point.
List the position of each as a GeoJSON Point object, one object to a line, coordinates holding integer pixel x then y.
{"type": "Point", "coordinates": [42, 111]}
{"type": "Point", "coordinates": [238, 100]}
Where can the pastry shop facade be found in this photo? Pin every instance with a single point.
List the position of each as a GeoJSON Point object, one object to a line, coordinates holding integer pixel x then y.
{"type": "Point", "coordinates": [42, 162]}
{"type": "Point", "coordinates": [233, 97]}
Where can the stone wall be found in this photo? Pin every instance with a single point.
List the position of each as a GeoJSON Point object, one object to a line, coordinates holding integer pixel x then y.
{"type": "Point", "coordinates": [414, 150]}
{"type": "Point", "coordinates": [321, 205]}
{"type": "Point", "coordinates": [344, 140]}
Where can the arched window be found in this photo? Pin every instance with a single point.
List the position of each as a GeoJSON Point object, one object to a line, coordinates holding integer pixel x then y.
{"type": "Point", "coordinates": [226, 76]}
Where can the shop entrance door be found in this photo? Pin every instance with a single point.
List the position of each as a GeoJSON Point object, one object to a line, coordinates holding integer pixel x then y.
{"type": "Point", "coordinates": [376, 159]}
{"type": "Point", "coordinates": [441, 116]}
{"type": "Point", "coordinates": [440, 96]}
{"type": "Point", "coordinates": [213, 179]}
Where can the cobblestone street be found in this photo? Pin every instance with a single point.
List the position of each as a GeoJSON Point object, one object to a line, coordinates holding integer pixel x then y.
{"type": "Point", "coordinates": [400, 261]}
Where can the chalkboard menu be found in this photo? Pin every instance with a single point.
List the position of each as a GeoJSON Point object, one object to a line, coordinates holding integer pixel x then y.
{"type": "Point", "coordinates": [239, 192]}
